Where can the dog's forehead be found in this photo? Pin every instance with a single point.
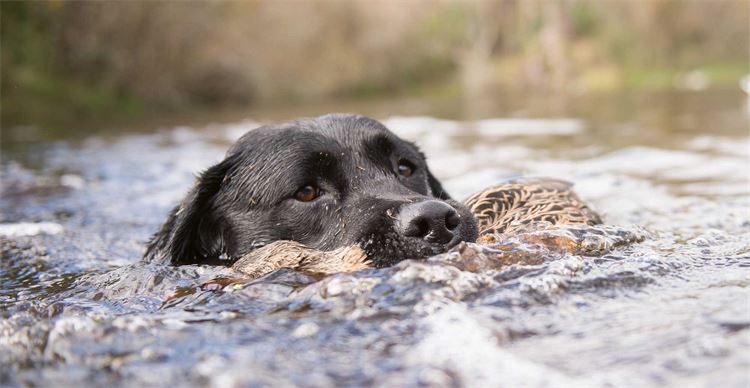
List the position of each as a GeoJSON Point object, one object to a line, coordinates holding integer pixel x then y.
{"type": "Point", "coordinates": [335, 132]}
{"type": "Point", "coordinates": [347, 123]}
{"type": "Point", "coordinates": [351, 131]}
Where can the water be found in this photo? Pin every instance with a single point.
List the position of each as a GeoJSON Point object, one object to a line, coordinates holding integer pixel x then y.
{"type": "Point", "coordinates": [673, 309]}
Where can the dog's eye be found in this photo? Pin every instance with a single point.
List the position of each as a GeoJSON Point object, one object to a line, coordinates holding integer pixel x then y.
{"type": "Point", "coordinates": [307, 193]}
{"type": "Point", "coordinates": [405, 168]}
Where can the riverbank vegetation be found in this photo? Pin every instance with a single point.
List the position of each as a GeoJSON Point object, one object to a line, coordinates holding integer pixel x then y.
{"type": "Point", "coordinates": [77, 61]}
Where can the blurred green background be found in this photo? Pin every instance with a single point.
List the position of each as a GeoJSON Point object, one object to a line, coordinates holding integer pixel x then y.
{"type": "Point", "coordinates": [66, 63]}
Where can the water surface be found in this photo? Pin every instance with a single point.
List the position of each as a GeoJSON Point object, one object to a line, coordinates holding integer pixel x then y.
{"type": "Point", "coordinates": [79, 308]}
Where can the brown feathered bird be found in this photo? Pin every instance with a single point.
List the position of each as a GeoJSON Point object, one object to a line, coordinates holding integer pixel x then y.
{"type": "Point", "coordinates": [291, 254]}
{"type": "Point", "coordinates": [509, 206]}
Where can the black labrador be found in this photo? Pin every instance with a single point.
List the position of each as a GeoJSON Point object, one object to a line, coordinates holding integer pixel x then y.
{"type": "Point", "coordinates": [329, 182]}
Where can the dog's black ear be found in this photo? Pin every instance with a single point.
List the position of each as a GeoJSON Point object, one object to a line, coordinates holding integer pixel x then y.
{"type": "Point", "coordinates": [193, 232]}
{"type": "Point", "coordinates": [436, 187]}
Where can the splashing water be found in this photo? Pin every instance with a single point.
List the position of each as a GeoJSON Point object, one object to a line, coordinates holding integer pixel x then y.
{"type": "Point", "coordinates": [658, 296]}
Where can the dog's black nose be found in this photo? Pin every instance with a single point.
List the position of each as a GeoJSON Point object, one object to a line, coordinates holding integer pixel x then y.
{"type": "Point", "coordinates": [434, 221]}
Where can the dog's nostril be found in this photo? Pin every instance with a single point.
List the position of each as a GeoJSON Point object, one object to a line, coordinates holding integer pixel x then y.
{"type": "Point", "coordinates": [418, 227]}
{"type": "Point", "coordinates": [452, 220]}
{"type": "Point", "coordinates": [433, 221]}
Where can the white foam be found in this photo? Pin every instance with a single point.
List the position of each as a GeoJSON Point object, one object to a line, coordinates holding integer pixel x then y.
{"type": "Point", "coordinates": [73, 181]}
{"type": "Point", "coordinates": [30, 229]}
{"type": "Point", "coordinates": [529, 127]}
{"type": "Point", "coordinates": [419, 127]}
{"type": "Point", "coordinates": [232, 132]}
{"type": "Point", "coordinates": [458, 340]}
{"type": "Point", "coordinates": [415, 127]}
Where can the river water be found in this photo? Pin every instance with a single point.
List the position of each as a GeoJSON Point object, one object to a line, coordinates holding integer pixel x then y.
{"type": "Point", "coordinates": [78, 308]}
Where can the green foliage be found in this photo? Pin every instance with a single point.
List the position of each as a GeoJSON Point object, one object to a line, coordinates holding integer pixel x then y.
{"type": "Point", "coordinates": [447, 27]}
{"type": "Point", "coordinates": [584, 20]}
{"type": "Point", "coordinates": [35, 88]}
{"type": "Point", "coordinates": [67, 62]}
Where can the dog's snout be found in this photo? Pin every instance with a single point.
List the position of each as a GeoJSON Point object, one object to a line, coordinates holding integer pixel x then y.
{"type": "Point", "coordinates": [433, 221]}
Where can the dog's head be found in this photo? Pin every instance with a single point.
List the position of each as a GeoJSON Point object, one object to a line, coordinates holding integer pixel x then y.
{"type": "Point", "coordinates": [329, 182]}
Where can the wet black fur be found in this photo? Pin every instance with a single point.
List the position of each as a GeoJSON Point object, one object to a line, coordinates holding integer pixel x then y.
{"type": "Point", "coordinates": [247, 200]}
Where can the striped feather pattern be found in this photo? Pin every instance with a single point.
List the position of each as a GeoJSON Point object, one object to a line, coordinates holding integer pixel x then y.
{"type": "Point", "coordinates": [509, 206]}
